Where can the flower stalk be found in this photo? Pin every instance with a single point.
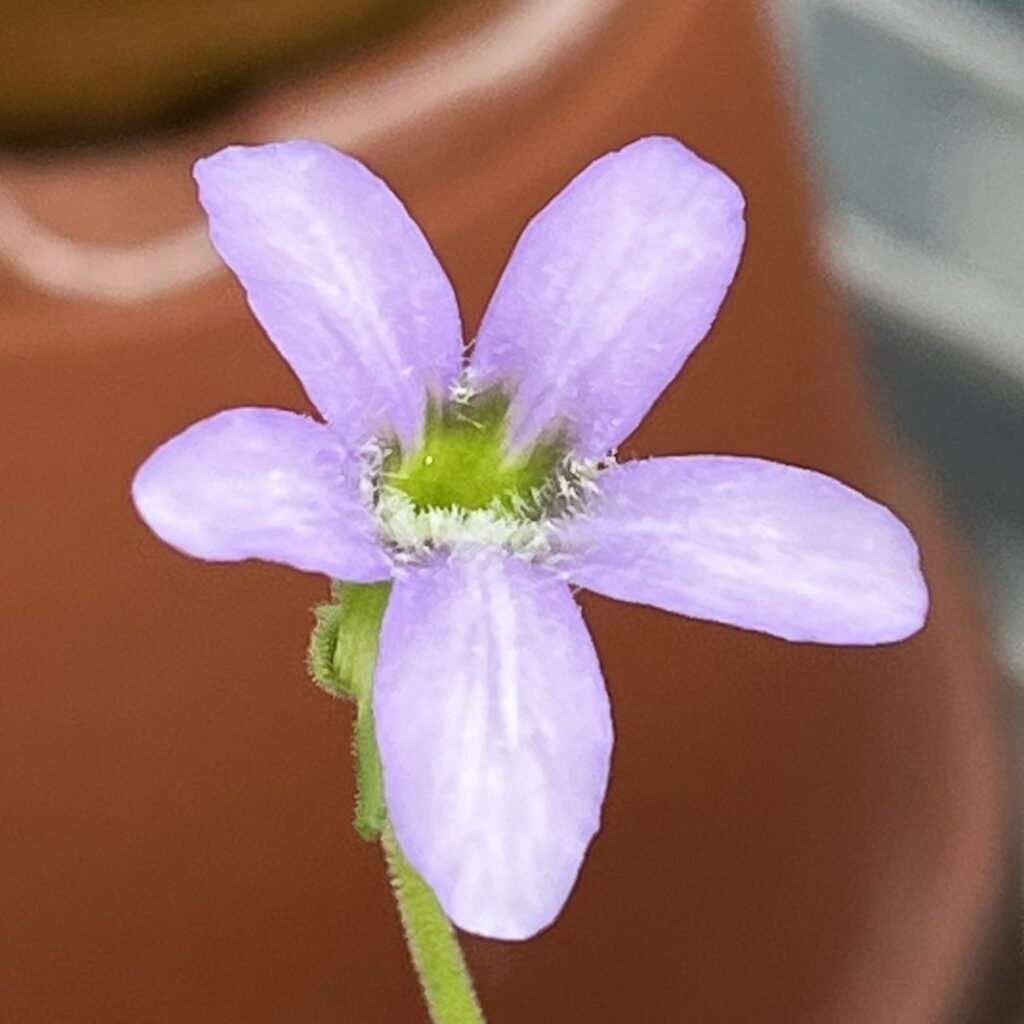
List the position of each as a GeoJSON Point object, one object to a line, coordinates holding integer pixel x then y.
{"type": "Point", "coordinates": [444, 977]}
{"type": "Point", "coordinates": [342, 659]}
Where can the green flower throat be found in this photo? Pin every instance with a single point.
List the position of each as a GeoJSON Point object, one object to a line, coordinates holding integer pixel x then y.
{"type": "Point", "coordinates": [464, 461]}
{"type": "Point", "coordinates": [465, 486]}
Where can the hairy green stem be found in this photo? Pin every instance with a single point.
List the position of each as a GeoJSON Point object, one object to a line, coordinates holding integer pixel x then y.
{"type": "Point", "coordinates": [371, 811]}
{"type": "Point", "coordinates": [342, 659]}
{"type": "Point", "coordinates": [432, 943]}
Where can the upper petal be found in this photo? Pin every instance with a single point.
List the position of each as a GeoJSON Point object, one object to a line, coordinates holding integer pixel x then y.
{"type": "Point", "coordinates": [341, 278]}
{"type": "Point", "coordinates": [609, 289]}
{"type": "Point", "coordinates": [751, 543]}
{"type": "Point", "coordinates": [495, 735]}
{"type": "Point", "coordinates": [261, 483]}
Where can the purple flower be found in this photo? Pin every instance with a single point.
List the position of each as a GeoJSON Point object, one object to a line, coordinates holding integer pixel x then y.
{"type": "Point", "coordinates": [485, 491]}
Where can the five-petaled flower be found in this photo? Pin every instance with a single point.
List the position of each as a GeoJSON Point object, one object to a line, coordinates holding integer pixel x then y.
{"type": "Point", "coordinates": [485, 489]}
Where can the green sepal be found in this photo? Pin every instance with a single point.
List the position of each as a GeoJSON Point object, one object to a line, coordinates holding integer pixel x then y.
{"type": "Point", "coordinates": [343, 648]}
{"type": "Point", "coordinates": [342, 658]}
{"type": "Point", "coordinates": [322, 646]}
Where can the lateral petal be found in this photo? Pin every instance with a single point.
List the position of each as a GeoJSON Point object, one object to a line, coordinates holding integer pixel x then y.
{"type": "Point", "coordinates": [261, 483]}
{"type": "Point", "coordinates": [751, 543]}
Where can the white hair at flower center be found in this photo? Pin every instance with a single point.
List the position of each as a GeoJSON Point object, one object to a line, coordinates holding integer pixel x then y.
{"type": "Point", "coordinates": [529, 530]}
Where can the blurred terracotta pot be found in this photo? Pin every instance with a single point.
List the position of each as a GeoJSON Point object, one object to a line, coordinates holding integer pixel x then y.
{"type": "Point", "coordinates": [792, 834]}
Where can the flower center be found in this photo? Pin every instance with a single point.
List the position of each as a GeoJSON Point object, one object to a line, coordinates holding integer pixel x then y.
{"type": "Point", "coordinates": [463, 488]}
{"type": "Point", "coordinates": [463, 461]}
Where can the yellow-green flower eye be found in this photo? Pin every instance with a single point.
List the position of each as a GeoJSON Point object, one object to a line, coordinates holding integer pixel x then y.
{"type": "Point", "coordinates": [464, 462]}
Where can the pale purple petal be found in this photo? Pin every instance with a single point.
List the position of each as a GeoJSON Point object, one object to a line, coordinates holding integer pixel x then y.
{"type": "Point", "coordinates": [751, 543]}
{"type": "Point", "coordinates": [341, 278]}
{"type": "Point", "coordinates": [608, 291]}
{"type": "Point", "coordinates": [261, 483]}
{"type": "Point", "coordinates": [495, 735]}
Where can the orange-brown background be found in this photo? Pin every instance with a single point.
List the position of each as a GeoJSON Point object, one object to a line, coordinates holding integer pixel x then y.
{"type": "Point", "coordinates": [792, 833]}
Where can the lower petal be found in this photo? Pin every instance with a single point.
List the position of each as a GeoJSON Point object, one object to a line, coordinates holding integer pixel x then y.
{"type": "Point", "coordinates": [261, 483]}
{"type": "Point", "coordinates": [751, 543]}
{"type": "Point", "coordinates": [495, 735]}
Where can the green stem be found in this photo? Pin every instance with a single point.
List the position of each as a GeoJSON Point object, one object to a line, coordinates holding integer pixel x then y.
{"type": "Point", "coordinates": [342, 659]}
{"type": "Point", "coordinates": [433, 947]}
{"type": "Point", "coordinates": [371, 811]}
